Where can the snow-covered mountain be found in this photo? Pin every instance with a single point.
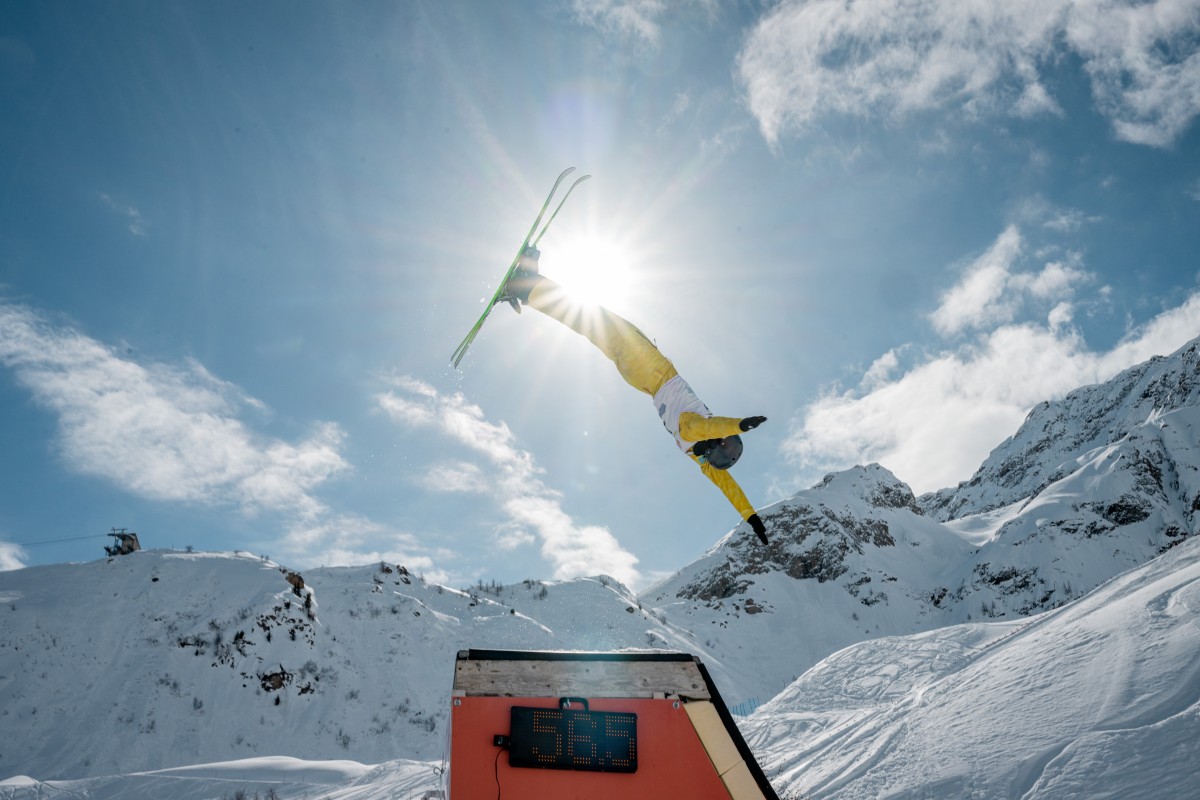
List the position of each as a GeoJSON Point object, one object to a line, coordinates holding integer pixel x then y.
{"type": "Point", "coordinates": [1113, 475]}
{"type": "Point", "coordinates": [1097, 699]}
{"type": "Point", "coordinates": [1055, 435]}
{"type": "Point", "coordinates": [852, 558]}
{"type": "Point", "coordinates": [160, 660]}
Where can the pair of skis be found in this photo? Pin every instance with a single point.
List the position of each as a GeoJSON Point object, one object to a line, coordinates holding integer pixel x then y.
{"type": "Point", "coordinates": [530, 241]}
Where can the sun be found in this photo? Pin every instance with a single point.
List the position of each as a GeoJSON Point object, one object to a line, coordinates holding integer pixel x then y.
{"type": "Point", "coordinates": [593, 269]}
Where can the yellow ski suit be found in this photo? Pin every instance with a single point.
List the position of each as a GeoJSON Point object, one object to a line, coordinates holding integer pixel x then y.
{"type": "Point", "coordinates": [644, 368]}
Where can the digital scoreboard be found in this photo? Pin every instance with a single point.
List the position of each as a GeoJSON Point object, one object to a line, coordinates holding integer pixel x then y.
{"type": "Point", "coordinates": [564, 738]}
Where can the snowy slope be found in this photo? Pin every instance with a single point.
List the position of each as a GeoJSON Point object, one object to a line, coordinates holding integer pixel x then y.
{"type": "Point", "coordinates": [1098, 699]}
{"type": "Point", "coordinates": [267, 778]}
{"type": "Point", "coordinates": [158, 659]}
{"type": "Point", "coordinates": [286, 777]}
{"type": "Point", "coordinates": [1120, 505]}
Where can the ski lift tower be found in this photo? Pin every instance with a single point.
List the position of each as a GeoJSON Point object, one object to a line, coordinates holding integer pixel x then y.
{"type": "Point", "coordinates": [126, 543]}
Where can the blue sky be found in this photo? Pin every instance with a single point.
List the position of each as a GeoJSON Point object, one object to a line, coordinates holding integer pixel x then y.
{"type": "Point", "coordinates": [239, 241]}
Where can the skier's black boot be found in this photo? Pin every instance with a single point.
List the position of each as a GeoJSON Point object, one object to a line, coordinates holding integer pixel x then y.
{"type": "Point", "coordinates": [524, 278]}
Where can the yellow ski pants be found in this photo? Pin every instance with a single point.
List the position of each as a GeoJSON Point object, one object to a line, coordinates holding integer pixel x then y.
{"type": "Point", "coordinates": [644, 368]}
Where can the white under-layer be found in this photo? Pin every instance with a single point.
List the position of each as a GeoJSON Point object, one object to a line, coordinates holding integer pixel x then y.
{"type": "Point", "coordinates": [674, 398]}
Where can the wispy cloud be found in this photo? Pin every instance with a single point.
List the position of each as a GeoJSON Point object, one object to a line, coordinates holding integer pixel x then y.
{"type": "Point", "coordinates": [808, 59]}
{"type": "Point", "coordinates": [632, 19]}
{"type": "Point", "coordinates": [510, 476]}
{"type": "Point", "coordinates": [334, 539]}
{"type": "Point", "coordinates": [1037, 211]}
{"type": "Point", "coordinates": [932, 417]}
{"type": "Point", "coordinates": [160, 431]}
{"type": "Point", "coordinates": [136, 222]}
{"type": "Point", "coordinates": [176, 434]}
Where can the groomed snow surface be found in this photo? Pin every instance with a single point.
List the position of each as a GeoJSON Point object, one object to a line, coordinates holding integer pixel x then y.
{"type": "Point", "coordinates": [1097, 699]}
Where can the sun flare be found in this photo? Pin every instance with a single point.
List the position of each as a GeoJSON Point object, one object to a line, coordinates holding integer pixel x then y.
{"type": "Point", "coordinates": [592, 268]}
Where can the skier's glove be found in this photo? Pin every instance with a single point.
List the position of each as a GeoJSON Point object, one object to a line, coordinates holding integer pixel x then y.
{"type": "Point", "coordinates": [528, 262]}
{"type": "Point", "coordinates": [750, 423]}
{"type": "Point", "coordinates": [759, 529]}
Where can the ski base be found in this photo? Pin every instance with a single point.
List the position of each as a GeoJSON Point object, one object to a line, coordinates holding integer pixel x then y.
{"type": "Point", "coordinates": [500, 296]}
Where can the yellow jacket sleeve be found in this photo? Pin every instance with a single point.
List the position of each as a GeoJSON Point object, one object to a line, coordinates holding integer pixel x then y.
{"type": "Point", "coordinates": [728, 486]}
{"type": "Point", "coordinates": [695, 428]}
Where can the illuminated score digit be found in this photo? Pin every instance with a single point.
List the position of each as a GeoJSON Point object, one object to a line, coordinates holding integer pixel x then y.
{"type": "Point", "coordinates": [603, 741]}
{"type": "Point", "coordinates": [621, 736]}
{"type": "Point", "coordinates": [547, 745]}
{"type": "Point", "coordinates": [581, 736]}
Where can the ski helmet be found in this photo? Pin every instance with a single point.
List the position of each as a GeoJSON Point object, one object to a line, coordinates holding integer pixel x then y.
{"type": "Point", "coordinates": [720, 453]}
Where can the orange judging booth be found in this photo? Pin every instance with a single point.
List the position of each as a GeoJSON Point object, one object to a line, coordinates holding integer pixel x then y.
{"type": "Point", "coordinates": [611, 726]}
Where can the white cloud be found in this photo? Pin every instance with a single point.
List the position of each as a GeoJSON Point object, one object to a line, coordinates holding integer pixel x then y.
{"type": "Point", "coordinates": [1060, 316]}
{"type": "Point", "coordinates": [455, 477]}
{"type": "Point", "coordinates": [1163, 334]}
{"type": "Point", "coordinates": [880, 372]}
{"type": "Point", "coordinates": [1144, 62]}
{"type": "Point", "coordinates": [172, 433]}
{"type": "Point", "coordinates": [11, 556]}
{"type": "Point", "coordinates": [934, 424]}
{"type": "Point", "coordinates": [159, 431]}
{"type": "Point", "coordinates": [1056, 280]}
{"type": "Point", "coordinates": [809, 58]}
{"type": "Point", "coordinates": [512, 478]}
{"type": "Point", "coordinates": [992, 291]}
{"type": "Point", "coordinates": [934, 419]}
{"type": "Point", "coordinates": [979, 298]}
{"type": "Point", "coordinates": [1034, 101]}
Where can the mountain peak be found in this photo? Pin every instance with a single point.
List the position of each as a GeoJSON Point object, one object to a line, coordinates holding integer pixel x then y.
{"type": "Point", "coordinates": [856, 526]}
{"type": "Point", "coordinates": [873, 484]}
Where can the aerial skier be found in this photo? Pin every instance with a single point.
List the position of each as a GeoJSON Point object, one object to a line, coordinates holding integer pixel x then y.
{"type": "Point", "coordinates": [712, 442]}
